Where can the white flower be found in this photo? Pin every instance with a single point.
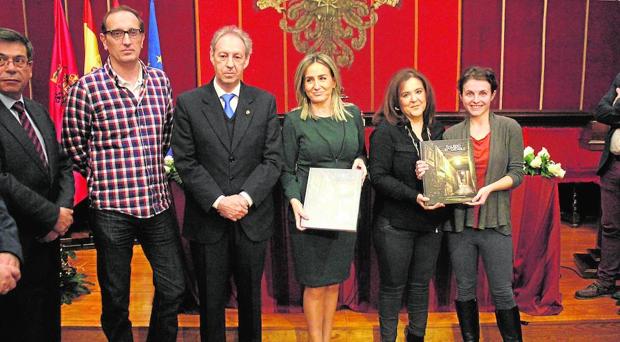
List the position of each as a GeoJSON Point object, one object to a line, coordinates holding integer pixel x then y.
{"type": "Point", "coordinates": [536, 162]}
{"type": "Point", "coordinates": [543, 153]}
{"type": "Point", "coordinates": [528, 150]}
{"type": "Point", "coordinates": [167, 169]}
{"type": "Point", "coordinates": [556, 170]}
{"type": "Point", "coordinates": [168, 161]}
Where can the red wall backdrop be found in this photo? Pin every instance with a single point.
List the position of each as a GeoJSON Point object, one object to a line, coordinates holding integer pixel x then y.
{"type": "Point", "coordinates": [549, 55]}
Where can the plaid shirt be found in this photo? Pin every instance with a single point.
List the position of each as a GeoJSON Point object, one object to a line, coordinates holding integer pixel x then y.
{"type": "Point", "coordinates": [119, 142]}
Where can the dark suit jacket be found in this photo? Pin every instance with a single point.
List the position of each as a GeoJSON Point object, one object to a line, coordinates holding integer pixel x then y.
{"type": "Point", "coordinates": [608, 113]}
{"type": "Point", "coordinates": [211, 163]}
{"type": "Point", "coordinates": [9, 240]}
{"type": "Point", "coordinates": [33, 194]}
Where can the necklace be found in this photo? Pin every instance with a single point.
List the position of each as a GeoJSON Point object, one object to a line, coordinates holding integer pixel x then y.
{"type": "Point", "coordinates": [410, 134]}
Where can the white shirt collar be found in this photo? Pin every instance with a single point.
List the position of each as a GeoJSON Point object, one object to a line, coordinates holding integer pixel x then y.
{"type": "Point", "coordinates": [9, 101]}
{"type": "Point", "coordinates": [219, 91]}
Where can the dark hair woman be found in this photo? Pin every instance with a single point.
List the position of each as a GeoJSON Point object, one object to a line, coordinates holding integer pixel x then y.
{"type": "Point", "coordinates": [482, 227]}
{"type": "Point", "coordinates": [407, 233]}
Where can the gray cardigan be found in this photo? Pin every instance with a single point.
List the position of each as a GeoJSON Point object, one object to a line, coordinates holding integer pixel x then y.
{"type": "Point", "coordinates": [505, 159]}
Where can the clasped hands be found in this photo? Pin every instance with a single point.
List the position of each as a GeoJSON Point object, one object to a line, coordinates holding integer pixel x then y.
{"type": "Point", "coordinates": [63, 223]}
{"type": "Point", "coordinates": [233, 207]}
{"type": "Point", "coordinates": [9, 272]}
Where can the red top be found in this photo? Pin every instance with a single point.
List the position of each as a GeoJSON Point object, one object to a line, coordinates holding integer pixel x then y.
{"type": "Point", "coordinates": [481, 159]}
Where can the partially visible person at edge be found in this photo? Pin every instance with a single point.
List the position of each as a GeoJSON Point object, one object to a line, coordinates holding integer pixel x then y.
{"type": "Point", "coordinates": [10, 251]}
{"type": "Point", "coordinates": [36, 183]}
{"type": "Point", "coordinates": [407, 232]}
{"type": "Point", "coordinates": [608, 112]}
{"type": "Point", "coordinates": [322, 132]}
{"type": "Point", "coordinates": [482, 226]}
{"type": "Point", "coordinates": [117, 129]}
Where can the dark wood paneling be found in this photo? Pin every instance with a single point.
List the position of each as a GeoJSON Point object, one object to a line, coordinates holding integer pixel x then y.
{"type": "Point", "coordinates": [482, 36]}
{"type": "Point", "coordinates": [522, 58]}
{"type": "Point", "coordinates": [564, 51]}
{"type": "Point", "coordinates": [603, 54]}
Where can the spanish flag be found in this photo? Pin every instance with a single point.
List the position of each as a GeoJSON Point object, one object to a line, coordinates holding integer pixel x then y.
{"type": "Point", "coordinates": [92, 59]}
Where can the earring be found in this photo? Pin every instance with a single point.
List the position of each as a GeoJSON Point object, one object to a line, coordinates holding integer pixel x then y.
{"type": "Point", "coordinates": [396, 109]}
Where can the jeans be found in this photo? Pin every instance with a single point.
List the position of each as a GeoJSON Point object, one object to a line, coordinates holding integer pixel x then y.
{"type": "Point", "coordinates": [406, 259]}
{"type": "Point", "coordinates": [114, 235]}
{"type": "Point", "coordinates": [609, 266]}
{"type": "Point", "coordinates": [496, 252]}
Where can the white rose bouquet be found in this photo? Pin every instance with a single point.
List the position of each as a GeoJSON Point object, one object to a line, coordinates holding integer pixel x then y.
{"type": "Point", "coordinates": [171, 170]}
{"type": "Point", "coordinates": [541, 164]}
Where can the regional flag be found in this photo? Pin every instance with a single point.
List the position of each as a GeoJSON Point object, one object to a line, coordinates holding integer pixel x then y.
{"type": "Point", "coordinates": [155, 60]}
{"type": "Point", "coordinates": [63, 69]}
{"type": "Point", "coordinates": [63, 74]}
{"type": "Point", "coordinates": [92, 59]}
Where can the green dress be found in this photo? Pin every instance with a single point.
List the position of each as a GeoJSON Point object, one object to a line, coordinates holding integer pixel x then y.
{"type": "Point", "coordinates": [321, 257]}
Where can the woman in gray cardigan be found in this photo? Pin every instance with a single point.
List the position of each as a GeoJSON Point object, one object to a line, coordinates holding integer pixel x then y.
{"type": "Point", "coordinates": [482, 226]}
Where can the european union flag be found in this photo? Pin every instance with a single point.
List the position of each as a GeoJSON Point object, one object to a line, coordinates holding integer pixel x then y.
{"type": "Point", "coordinates": [155, 60]}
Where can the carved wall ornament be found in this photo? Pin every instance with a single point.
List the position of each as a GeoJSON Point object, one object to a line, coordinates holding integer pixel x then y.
{"type": "Point", "coordinates": [328, 26]}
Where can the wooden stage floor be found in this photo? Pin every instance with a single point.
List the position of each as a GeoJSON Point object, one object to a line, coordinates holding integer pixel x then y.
{"type": "Point", "coordinates": [581, 320]}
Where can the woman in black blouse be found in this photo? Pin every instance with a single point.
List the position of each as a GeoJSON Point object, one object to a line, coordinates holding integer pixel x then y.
{"type": "Point", "coordinates": [407, 232]}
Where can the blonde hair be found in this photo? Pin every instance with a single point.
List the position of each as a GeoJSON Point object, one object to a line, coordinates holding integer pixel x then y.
{"type": "Point", "coordinates": [339, 112]}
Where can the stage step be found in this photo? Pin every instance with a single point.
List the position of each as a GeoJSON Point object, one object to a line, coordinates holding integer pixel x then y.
{"type": "Point", "coordinates": [586, 265]}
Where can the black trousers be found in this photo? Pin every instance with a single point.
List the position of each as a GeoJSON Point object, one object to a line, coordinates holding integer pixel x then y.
{"type": "Point", "coordinates": [31, 312]}
{"type": "Point", "coordinates": [233, 255]}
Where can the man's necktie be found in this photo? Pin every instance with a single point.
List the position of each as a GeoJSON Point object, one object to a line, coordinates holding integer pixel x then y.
{"type": "Point", "coordinates": [23, 118]}
{"type": "Point", "coordinates": [227, 108]}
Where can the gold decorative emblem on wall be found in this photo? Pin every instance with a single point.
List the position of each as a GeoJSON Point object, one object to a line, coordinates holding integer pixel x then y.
{"type": "Point", "coordinates": [328, 26]}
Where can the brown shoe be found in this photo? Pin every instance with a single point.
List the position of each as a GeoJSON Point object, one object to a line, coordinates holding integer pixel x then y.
{"type": "Point", "coordinates": [594, 290]}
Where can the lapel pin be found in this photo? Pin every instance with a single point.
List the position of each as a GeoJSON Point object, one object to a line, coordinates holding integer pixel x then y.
{"type": "Point", "coordinates": [247, 112]}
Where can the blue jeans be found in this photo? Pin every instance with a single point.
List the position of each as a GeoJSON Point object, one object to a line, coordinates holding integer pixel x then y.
{"type": "Point", "coordinates": [114, 235]}
{"type": "Point", "coordinates": [406, 259]}
{"type": "Point", "coordinates": [496, 252]}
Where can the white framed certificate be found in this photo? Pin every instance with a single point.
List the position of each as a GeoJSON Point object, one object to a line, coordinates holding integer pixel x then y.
{"type": "Point", "coordinates": [332, 199]}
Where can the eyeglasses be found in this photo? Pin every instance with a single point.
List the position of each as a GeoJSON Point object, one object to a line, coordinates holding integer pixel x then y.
{"type": "Point", "coordinates": [120, 34]}
{"type": "Point", "coordinates": [18, 61]}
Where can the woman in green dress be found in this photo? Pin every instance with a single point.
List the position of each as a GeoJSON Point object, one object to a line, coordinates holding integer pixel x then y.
{"type": "Point", "coordinates": [322, 132]}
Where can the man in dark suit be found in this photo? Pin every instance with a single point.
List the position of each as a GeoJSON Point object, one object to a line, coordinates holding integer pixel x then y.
{"type": "Point", "coordinates": [608, 112]}
{"type": "Point", "coordinates": [227, 150]}
{"type": "Point", "coordinates": [36, 182]}
{"type": "Point", "coordinates": [10, 251]}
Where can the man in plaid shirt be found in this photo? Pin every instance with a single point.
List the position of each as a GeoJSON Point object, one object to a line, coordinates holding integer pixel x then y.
{"type": "Point", "coordinates": [117, 128]}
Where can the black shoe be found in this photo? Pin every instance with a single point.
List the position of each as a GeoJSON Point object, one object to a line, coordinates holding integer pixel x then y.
{"type": "Point", "coordinates": [410, 337]}
{"type": "Point", "coordinates": [467, 312]}
{"type": "Point", "coordinates": [509, 324]}
{"type": "Point", "coordinates": [616, 295]}
{"type": "Point", "coordinates": [594, 290]}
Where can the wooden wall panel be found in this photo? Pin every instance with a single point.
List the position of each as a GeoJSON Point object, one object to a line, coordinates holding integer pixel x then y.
{"type": "Point", "coordinates": [394, 41]}
{"type": "Point", "coordinates": [267, 61]}
{"type": "Point", "coordinates": [392, 44]}
{"type": "Point", "coordinates": [564, 51]}
{"type": "Point", "coordinates": [212, 14]}
{"type": "Point", "coordinates": [41, 33]}
{"type": "Point", "coordinates": [603, 53]}
{"type": "Point", "coordinates": [438, 49]}
{"type": "Point", "coordinates": [522, 58]}
{"type": "Point", "coordinates": [482, 36]}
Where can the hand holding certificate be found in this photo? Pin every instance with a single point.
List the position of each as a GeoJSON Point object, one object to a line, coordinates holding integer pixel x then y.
{"type": "Point", "coordinates": [332, 199]}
